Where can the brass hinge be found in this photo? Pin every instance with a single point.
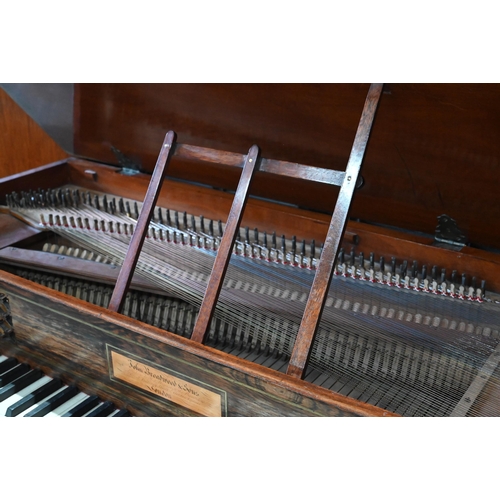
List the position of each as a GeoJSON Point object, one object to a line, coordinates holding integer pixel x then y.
{"type": "Point", "coordinates": [129, 166]}
{"type": "Point", "coordinates": [448, 234]}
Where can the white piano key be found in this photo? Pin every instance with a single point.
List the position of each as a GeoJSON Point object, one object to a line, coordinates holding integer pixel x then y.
{"type": "Point", "coordinates": [21, 394]}
{"type": "Point", "coordinates": [36, 405]}
{"type": "Point", "coordinates": [75, 400]}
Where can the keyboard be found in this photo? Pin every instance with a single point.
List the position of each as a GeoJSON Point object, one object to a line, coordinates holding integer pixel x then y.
{"type": "Point", "coordinates": [28, 392]}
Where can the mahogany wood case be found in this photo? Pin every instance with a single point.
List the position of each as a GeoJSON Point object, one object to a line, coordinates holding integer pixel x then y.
{"type": "Point", "coordinates": [433, 150]}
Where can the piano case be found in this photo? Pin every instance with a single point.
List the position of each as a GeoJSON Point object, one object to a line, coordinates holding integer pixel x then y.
{"type": "Point", "coordinates": [418, 260]}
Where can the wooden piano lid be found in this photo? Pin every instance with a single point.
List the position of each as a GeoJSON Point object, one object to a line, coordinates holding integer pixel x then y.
{"type": "Point", "coordinates": [433, 150]}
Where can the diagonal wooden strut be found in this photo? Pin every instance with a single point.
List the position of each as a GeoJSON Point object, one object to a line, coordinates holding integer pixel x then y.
{"type": "Point", "coordinates": [224, 251]}
{"type": "Point", "coordinates": [137, 240]}
{"type": "Point", "coordinates": [318, 294]}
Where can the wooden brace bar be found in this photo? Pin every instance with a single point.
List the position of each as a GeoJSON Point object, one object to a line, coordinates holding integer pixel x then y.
{"type": "Point", "coordinates": [319, 290]}
{"type": "Point", "coordinates": [225, 249]}
{"type": "Point", "coordinates": [137, 240]}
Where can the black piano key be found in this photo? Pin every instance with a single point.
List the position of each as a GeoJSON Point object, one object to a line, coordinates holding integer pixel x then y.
{"type": "Point", "coordinates": [84, 407]}
{"type": "Point", "coordinates": [103, 410]}
{"type": "Point", "coordinates": [11, 375]}
{"type": "Point", "coordinates": [33, 398]}
{"type": "Point", "coordinates": [8, 364]}
{"type": "Point", "coordinates": [122, 413]}
{"type": "Point", "coordinates": [53, 402]}
{"type": "Point", "coordinates": [20, 384]}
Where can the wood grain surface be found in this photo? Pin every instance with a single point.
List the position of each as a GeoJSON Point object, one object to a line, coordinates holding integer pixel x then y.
{"type": "Point", "coordinates": [69, 338]}
{"type": "Point", "coordinates": [23, 143]}
{"type": "Point", "coordinates": [434, 148]}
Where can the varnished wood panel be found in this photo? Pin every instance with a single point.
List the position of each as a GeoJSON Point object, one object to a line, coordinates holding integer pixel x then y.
{"type": "Point", "coordinates": [72, 338]}
{"type": "Point", "coordinates": [434, 148]}
{"type": "Point", "coordinates": [23, 143]}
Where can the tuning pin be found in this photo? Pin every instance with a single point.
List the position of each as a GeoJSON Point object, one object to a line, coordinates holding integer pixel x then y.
{"type": "Point", "coordinates": [414, 269]}
{"type": "Point", "coordinates": [160, 216]}
{"type": "Point", "coordinates": [273, 240]}
{"type": "Point", "coordinates": [89, 198]}
{"type": "Point", "coordinates": [193, 223]}
{"type": "Point", "coordinates": [211, 228]}
{"type": "Point", "coordinates": [404, 269]}
{"type": "Point", "coordinates": [303, 248]}
{"type": "Point", "coordinates": [352, 259]}
{"type": "Point", "coordinates": [184, 220]}
{"type": "Point", "coordinates": [283, 244]}
{"type": "Point", "coordinates": [176, 220]}
{"type": "Point", "coordinates": [256, 236]}
{"type": "Point", "coordinates": [382, 264]}
{"type": "Point", "coordinates": [464, 280]}
{"type": "Point", "coordinates": [121, 206]}
{"type": "Point", "coordinates": [443, 275]}
{"type": "Point", "coordinates": [361, 261]}
{"type": "Point", "coordinates": [105, 203]}
{"type": "Point", "coordinates": [221, 230]}
{"type": "Point", "coordinates": [247, 235]}
{"type": "Point", "coordinates": [169, 221]}
{"type": "Point", "coordinates": [294, 250]}
{"type": "Point", "coordinates": [341, 256]}
{"type": "Point", "coordinates": [434, 273]}
{"type": "Point", "coordinates": [424, 272]}
{"type": "Point", "coordinates": [136, 210]}
{"type": "Point", "coordinates": [202, 224]}
{"type": "Point", "coordinates": [454, 277]}
{"type": "Point", "coordinates": [313, 249]}
{"type": "Point", "coordinates": [372, 260]}
{"type": "Point", "coordinates": [112, 208]}
{"type": "Point", "coordinates": [96, 202]}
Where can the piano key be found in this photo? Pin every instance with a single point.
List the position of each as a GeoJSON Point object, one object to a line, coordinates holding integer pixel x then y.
{"type": "Point", "coordinates": [53, 402]}
{"type": "Point", "coordinates": [82, 408]}
{"type": "Point", "coordinates": [13, 374]}
{"type": "Point", "coordinates": [121, 413]}
{"type": "Point", "coordinates": [21, 394]}
{"type": "Point", "coordinates": [7, 364]}
{"type": "Point", "coordinates": [35, 397]}
{"type": "Point", "coordinates": [65, 407]}
{"type": "Point", "coordinates": [19, 384]}
{"type": "Point", "coordinates": [103, 410]}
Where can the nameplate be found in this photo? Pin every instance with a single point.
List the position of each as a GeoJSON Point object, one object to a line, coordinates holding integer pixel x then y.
{"type": "Point", "coordinates": [164, 384]}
